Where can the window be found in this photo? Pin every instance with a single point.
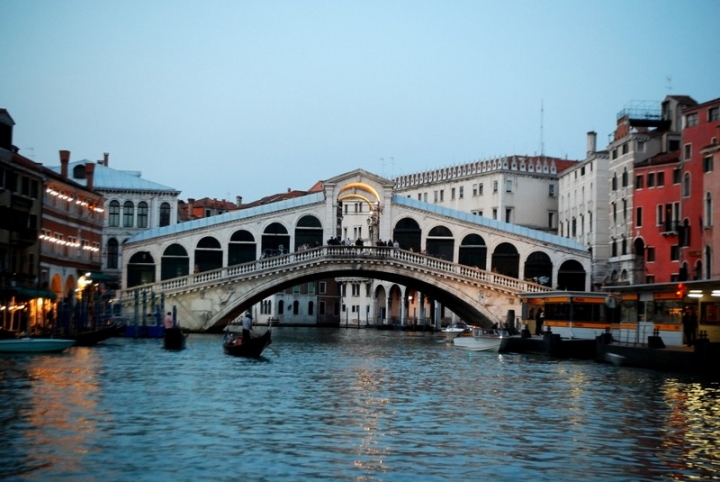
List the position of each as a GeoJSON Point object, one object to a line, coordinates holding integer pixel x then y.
{"type": "Point", "coordinates": [573, 232]}
{"type": "Point", "coordinates": [480, 188]}
{"type": "Point", "coordinates": [708, 210]}
{"type": "Point", "coordinates": [590, 222]}
{"type": "Point", "coordinates": [323, 287]}
{"type": "Point", "coordinates": [142, 221]}
{"type": "Point", "coordinates": [494, 213]}
{"type": "Point", "coordinates": [114, 214]}
{"type": "Point", "coordinates": [128, 214]}
{"type": "Point", "coordinates": [686, 185]}
{"type": "Point", "coordinates": [551, 190]}
{"type": "Point", "coordinates": [508, 185]}
{"type": "Point", "coordinates": [461, 192]}
{"type": "Point", "coordinates": [674, 253]}
{"type": "Point", "coordinates": [650, 254]}
{"type": "Point", "coordinates": [321, 308]}
{"type": "Point", "coordinates": [625, 178]}
{"type": "Point", "coordinates": [508, 215]}
{"type": "Point", "coordinates": [639, 181]}
{"type": "Point", "coordinates": [614, 182]}
{"type": "Point", "coordinates": [551, 220]}
{"type": "Point", "coordinates": [582, 171]}
{"type": "Point", "coordinates": [651, 179]}
{"type": "Point", "coordinates": [164, 214]}
{"type": "Point", "coordinates": [452, 194]}
{"type": "Point", "coordinates": [475, 190]}
{"type": "Point", "coordinates": [688, 151]}
{"type": "Point", "coordinates": [659, 215]}
{"type": "Point", "coordinates": [625, 148]}
{"type": "Point", "coordinates": [435, 196]}
{"type": "Point", "coordinates": [495, 186]}
{"type": "Point", "coordinates": [419, 196]}
{"type": "Point", "coordinates": [660, 179]}
{"type": "Point", "coordinates": [677, 175]}
{"type": "Point", "coordinates": [442, 195]}
{"type": "Point", "coordinates": [692, 120]}
{"type": "Point", "coordinates": [638, 217]}
{"type": "Point", "coordinates": [707, 164]}
{"type": "Point", "coordinates": [355, 290]}
{"type": "Point", "coordinates": [713, 114]}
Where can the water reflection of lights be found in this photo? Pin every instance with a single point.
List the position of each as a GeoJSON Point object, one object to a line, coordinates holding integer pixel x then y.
{"type": "Point", "coordinates": [371, 414]}
{"type": "Point", "coordinates": [62, 401]}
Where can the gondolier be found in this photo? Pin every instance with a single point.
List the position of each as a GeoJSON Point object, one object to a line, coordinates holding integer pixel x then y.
{"type": "Point", "coordinates": [247, 326]}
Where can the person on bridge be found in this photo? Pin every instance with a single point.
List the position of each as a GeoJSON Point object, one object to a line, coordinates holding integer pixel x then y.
{"type": "Point", "coordinates": [247, 326]}
{"type": "Point", "coordinates": [168, 321]}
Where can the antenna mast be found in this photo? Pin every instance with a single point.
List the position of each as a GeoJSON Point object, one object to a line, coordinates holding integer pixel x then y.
{"type": "Point", "coordinates": [542, 120]}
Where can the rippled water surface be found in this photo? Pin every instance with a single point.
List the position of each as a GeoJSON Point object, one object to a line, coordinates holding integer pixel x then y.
{"type": "Point", "coordinates": [337, 404]}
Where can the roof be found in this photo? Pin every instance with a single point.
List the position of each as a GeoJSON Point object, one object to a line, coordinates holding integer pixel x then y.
{"type": "Point", "coordinates": [108, 179]}
{"type": "Point", "coordinates": [466, 217]}
{"type": "Point", "coordinates": [659, 159]}
{"type": "Point", "coordinates": [228, 217]}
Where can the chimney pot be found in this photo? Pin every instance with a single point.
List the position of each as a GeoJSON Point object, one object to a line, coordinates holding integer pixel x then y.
{"type": "Point", "coordinates": [106, 156]}
{"type": "Point", "coordinates": [64, 161]}
{"type": "Point", "coordinates": [90, 175]}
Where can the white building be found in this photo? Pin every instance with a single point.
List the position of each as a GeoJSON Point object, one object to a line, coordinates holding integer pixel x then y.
{"type": "Point", "coordinates": [583, 208]}
{"type": "Point", "coordinates": [132, 205]}
{"type": "Point", "coordinates": [520, 190]}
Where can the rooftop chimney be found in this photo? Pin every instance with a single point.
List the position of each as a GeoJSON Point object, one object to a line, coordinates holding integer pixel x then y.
{"type": "Point", "coordinates": [238, 200]}
{"type": "Point", "coordinates": [64, 160]}
{"type": "Point", "coordinates": [90, 175]}
{"type": "Point", "coordinates": [105, 159]}
{"type": "Point", "coordinates": [591, 142]}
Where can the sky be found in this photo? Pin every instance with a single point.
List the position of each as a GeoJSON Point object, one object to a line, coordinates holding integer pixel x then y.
{"type": "Point", "coordinates": [247, 98]}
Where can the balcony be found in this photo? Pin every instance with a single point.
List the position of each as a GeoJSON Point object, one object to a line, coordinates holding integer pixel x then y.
{"type": "Point", "coordinates": [670, 228]}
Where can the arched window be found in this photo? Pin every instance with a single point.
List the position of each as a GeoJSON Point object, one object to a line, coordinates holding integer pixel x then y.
{"type": "Point", "coordinates": [142, 215]}
{"type": "Point", "coordinates": [114, 214]}
{"type": "Point", "coordinates": [164, 214]}
{"type": "Point", "coordinates": [113, 252]}
{"type": "Point", "coordinates": [311, 308]}
{"type": "Point", "coordinates": [296, 307]}
{"type": "Point", "coordinates": [128, 214]}
{"type": "Point", "coordinates": [686, 185]}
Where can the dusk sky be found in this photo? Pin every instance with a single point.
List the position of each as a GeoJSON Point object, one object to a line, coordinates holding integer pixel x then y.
{"type": "Point", "coordinates": [250, 98]}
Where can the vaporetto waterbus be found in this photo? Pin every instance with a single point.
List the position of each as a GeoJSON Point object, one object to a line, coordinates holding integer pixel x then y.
{"type": "Point", "coordinates": [630, 313]}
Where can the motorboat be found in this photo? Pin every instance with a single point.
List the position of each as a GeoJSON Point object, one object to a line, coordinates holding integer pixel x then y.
{"type": "Point", "coordinates": [454, 330]}
{"type": "Point", "coordinates": [481, 340]}
{"type": "Point", "coordinates": [35, 345]}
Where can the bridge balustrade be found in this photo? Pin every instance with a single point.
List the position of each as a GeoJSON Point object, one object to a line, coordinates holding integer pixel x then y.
{"type": "Point", "coordinates": [329, 253]}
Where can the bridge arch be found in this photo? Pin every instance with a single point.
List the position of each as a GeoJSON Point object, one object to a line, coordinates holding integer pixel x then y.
{"type": "Point", "coordinates": [309, 231]}
{"type": "Point", "coordinates": [440, 243]}
{"type": "Point", "coordinates": [242, 247]}
{"type": "Point", "coordinates": [408, 234]}
{"type": "Point", "coordinates": [208, 254]}
{"type": "Point", "coordinates": [174, 262]}
{"type": "Point", "coordinates": [473, 251]}
{"type": "Point", "coordinates": [275, 239]}
{"type": "Point", "coordinates": [506, 260]}
{"type": "Point", "coordinates": [571, 276]}
{"type": "Point", "coordinates": [140, 269]}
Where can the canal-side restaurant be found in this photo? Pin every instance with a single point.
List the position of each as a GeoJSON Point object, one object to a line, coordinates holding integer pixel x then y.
{"type": "Point", "coordinates": [669, 326]}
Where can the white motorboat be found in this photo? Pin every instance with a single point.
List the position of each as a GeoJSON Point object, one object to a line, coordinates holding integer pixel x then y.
{"type": "Point", "coordinates": [481, 340]}
{"type": "Point", "coordinates": [452, 331]}
{"type": "Point", "coordinates": [35, 345]}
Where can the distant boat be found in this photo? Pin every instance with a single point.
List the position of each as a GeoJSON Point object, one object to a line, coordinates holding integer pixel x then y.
{"type": "Point", "coordinates": [481, 340]}
{"type": "Point", "coordinates": [35, 345]}
{"type": "Point", "coordinates": [454, 330]}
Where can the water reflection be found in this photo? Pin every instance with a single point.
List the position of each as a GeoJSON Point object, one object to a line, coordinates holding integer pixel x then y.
{"type": "Point", "coordinates": [347, 405]}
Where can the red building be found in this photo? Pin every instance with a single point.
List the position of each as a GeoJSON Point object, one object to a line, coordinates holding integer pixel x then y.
{"type": "Point", "coordinates": [711, 214]}
{"type": "Point", "coordinates": [700, 130]}
{"type": "Point", "coordinates": [656, 216]}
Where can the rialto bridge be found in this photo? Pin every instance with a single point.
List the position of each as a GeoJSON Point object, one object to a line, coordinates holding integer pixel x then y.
{"type": "Point", "coordinates": [213, 269]}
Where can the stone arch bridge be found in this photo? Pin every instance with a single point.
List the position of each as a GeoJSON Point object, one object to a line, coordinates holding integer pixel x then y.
{"type": "Point", "coordinates": [222, 264]}
{"type": "Point", "coordinates": [224, 294]}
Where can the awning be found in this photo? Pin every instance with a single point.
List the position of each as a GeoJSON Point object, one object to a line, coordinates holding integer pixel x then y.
{"type": "Point", "coordinates": [98, 276]}
{"type": "Point", "coordinates": [29, 293]}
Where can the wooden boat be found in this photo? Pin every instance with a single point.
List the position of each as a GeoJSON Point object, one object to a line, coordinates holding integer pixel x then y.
{"type": "Point", "coordinates": [174, 339]}
{"type": "Point", "coordinates": [481, 340]}
{"type": "Point", "coordinates": [93, 337]}
{"type": "Point", "coordinates": [35, 345]}
{"type": "Point", "coordinates": [233, 345]}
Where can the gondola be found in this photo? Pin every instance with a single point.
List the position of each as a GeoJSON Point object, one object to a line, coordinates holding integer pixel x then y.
{"type": "Point", "coordinates": [252, 348]}
{"type": "Point", "coordinates": [174, 339]}
{"type": "Point", "coordinates": [93, 337]}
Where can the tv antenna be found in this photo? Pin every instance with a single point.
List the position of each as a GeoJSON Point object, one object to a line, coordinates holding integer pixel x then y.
{"type": "Point", "coordinates": [542, 121]}
{"type": "Point", "coordinates": [669, 82]}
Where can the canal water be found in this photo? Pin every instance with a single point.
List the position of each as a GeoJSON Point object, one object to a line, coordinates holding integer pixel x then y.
{"type": "Point", "coordinates": [347, 405]}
